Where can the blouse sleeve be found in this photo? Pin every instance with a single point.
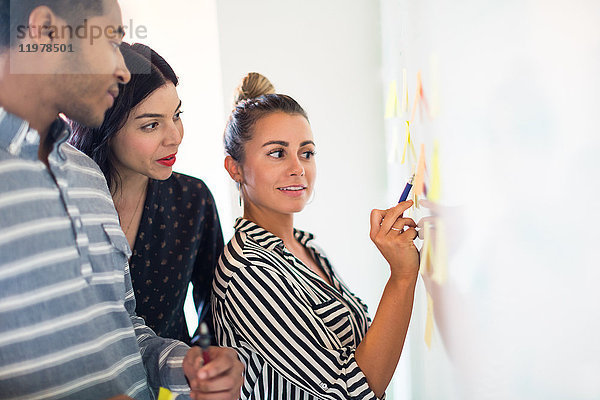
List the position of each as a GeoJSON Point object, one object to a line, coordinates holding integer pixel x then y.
{"type": "Point", "coordinates": [209, 250]}
{"type": "Point", "coordinates": [263, 309]}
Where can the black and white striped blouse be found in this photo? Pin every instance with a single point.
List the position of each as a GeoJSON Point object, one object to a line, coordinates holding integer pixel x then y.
{"type": "Point", "coordinates": [295, 333]}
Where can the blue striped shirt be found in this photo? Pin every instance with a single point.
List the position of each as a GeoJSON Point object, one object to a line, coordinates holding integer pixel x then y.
{"type": "Point", "coordinates": [68, 327]}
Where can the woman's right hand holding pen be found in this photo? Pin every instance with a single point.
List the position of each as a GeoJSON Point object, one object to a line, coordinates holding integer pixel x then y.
{"type": "Point", "coordinates": [378, 353]}
{"type": "Point", "coordinates": [394, 242]}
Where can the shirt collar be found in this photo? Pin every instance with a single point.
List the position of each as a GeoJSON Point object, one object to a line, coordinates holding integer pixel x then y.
{"type": "Point", "coordinates": [266, 239]}
{"type": "Point", "coordinates": [20, 140]}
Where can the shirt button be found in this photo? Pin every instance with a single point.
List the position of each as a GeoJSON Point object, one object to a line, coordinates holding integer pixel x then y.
{"type": "Point", "coordinates": [78, 223]}
{"type": "Point", "coordinates": [323, 385]}
{"type": "Point", "coordinates": [32, 137]}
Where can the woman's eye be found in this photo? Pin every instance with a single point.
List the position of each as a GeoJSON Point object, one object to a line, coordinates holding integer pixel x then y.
{"type": "Point", "coordinates": [308, 154]}
{"type": "Point", "coordinates": [150, 127]}
{"type": "Point", "coordinates": [177, 116]}
{"type": "Point", "coordinates": [276, 153]}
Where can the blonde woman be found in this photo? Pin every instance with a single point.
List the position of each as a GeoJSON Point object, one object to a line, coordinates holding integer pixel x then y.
{"type": "Point", "coordinates": [277, 300]}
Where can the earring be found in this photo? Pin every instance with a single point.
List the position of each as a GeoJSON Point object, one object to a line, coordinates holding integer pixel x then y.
{"type": "Point", "coordinates": [237, 183]}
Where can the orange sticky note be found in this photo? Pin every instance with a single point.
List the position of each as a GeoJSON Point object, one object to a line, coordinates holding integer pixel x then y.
{"type": "Point", "coordinates": [420, 100]}
{"type": "Point", "coordinates": [420, 175]}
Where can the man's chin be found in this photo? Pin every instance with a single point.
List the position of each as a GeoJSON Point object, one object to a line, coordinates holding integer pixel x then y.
{"type": "Point", "coordinates": [88, 120]}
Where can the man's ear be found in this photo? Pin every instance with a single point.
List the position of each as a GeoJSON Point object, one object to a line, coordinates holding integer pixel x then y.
{"type": "Point", "coordinates": [234, 169]}
{"type": "Point", "coordinates": [43, 25]}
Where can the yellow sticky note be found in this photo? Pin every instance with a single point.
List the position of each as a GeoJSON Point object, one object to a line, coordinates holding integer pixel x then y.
{"type": "Point", "coordinates": [408, 145]}
{"type": "Point", "coordinates": [165, 394]}
{"type": "Point", "coordinates": [392, 109]}
{"type": "Point", "coordinates": [425, 265]}
{"type": "Point", "coordinates": [404, 91]}
{"type": "Point", "coordinates": [436, 184]}
{"type": "Point", "coordinates": [429, 322]}
{"type": "Point", "coordinates": [420, 175]}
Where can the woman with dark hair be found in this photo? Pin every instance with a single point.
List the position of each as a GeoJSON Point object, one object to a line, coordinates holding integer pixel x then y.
{"type": "Point", "coordinates": [300, 331]}
{"type": "Point", "coordinates": [169, 219]}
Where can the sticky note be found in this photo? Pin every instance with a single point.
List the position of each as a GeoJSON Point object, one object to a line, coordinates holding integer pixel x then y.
{"type": "Point", "coordinates": [165, 394]}
{"type": "Point", "coordinates": [426, 250]}
{"type": "Point", "coordinates": [435, 187]}
{"type": "Point", "coordinates": [408, 145]}
{"type": "Point", "coordinates": [429, 321]}
{"type": "Point", "coordinates": [418, 92]}
{"type": "Point", "coordinates": [392, 108]}
{"type": "Point", "coordinates": [420, 101]}
{"type": "Point", "coordinates": [420, 174]}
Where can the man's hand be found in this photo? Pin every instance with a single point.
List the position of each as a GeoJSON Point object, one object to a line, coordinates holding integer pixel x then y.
{"type": "Point", "coordinates": [219, 379]}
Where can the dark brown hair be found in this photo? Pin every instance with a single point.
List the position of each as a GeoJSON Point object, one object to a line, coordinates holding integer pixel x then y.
{"type": "Point", "coordinates": [95, 142]}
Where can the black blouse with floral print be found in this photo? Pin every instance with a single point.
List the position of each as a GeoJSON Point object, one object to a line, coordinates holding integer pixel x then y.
{"type": "Point", "coordinates": [178, 242]}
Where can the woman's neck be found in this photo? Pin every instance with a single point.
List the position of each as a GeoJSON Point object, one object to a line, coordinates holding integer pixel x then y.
{"type": "Point", "coordinates": [129, 199]}
{"type": "Point", "coordinates": [128, 190]}
{"type": "Point", "coordinates": [280, 225]}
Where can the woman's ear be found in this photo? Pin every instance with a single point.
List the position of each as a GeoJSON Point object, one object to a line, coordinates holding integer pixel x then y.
{"type": "Point", "coordinates": [234, 169]}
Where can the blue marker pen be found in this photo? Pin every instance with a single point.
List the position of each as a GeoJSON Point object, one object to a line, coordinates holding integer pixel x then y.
{"type": "Point", "coordinates": [407, 188]}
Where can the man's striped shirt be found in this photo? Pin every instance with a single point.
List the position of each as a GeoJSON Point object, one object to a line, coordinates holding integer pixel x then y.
{"type": "Point", "coordinates": [68, 327]}
{"type": "Point", "coordinates": [295, 333]}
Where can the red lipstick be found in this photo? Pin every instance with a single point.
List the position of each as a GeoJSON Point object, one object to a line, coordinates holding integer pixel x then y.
{"type": "Point", "coordinates": [168, 161]}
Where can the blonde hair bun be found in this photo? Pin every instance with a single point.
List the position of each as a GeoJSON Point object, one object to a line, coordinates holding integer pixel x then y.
{"type": "Point", "coordinates": [253, 85]}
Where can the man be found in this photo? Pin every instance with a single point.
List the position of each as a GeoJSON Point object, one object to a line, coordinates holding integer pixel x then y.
{"type": "Point", "coordinates": [68, 327]}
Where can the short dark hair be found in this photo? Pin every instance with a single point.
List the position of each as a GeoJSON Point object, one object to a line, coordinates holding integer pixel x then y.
{"type": "Point", "coordinates": [95, 142]}
{"type": "Point", "coordinates": [15, 13]}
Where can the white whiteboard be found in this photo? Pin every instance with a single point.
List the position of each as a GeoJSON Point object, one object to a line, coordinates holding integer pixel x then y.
{"type": "Point", "coordinates": [518, 126]}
